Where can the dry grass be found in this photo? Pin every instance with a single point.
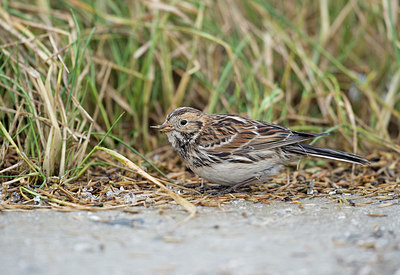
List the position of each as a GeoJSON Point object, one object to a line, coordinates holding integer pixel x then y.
{"type": "Point", "coordinates": [115, 187]}
{"type": "Point", "coordinates": [68, 69]}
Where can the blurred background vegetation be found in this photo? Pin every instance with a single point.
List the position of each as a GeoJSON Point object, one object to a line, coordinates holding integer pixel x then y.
{"type": "Point", "coordinates": [68, 69]}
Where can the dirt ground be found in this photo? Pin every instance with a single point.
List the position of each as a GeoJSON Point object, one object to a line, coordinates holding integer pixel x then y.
{"type": "Point", "coordinates": [319, 236]}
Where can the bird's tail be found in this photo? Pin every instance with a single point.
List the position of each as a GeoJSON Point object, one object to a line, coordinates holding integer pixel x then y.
{"type": "Point", "coordinates": [309, 150]}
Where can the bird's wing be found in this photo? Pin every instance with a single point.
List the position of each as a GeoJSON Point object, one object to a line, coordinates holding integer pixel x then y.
{"type": "Point", "coordinates": [269, 136]}
{"type": "Point", "coordinates": [239, 135]}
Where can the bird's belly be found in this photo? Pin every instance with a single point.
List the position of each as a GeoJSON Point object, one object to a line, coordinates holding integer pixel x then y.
{"type": "Point", "coordinates": [228, 173]}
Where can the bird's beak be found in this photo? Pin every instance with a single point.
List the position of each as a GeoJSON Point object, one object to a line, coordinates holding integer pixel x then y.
{"type": "Point", "coordinates": [164, 128]}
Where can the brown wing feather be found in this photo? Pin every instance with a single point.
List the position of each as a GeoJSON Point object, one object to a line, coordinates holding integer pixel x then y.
{"type": "Point", "coordinates": [235, 134]}
{"type": "Point", "coordinates": [225, 133]}
{"type": "Point", "coordinates": [272, 136]}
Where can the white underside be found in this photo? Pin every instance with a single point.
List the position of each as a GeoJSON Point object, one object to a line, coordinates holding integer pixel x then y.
{"type": "Point", "coordinates": [230, 173]}
{"type": "Point", "coordinates": [233, 173]}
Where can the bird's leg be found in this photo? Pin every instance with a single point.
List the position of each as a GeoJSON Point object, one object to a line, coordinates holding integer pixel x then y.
{"type": "Point", "coordinates": [243, 183]}
{"type": "Point", "coordinates": [216, 190]}
{"type": "Point", "coordinates": [234, 188]}
{"type": "Point", "coordinates": [203, 187]}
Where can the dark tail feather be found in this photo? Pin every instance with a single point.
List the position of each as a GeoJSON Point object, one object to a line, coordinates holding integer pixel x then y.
{"type": "Point", "coordinates": [308, 150]}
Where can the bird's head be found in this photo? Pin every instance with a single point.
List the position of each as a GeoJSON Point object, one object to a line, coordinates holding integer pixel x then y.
{"type": "Point", "coordinates": [183, 123]}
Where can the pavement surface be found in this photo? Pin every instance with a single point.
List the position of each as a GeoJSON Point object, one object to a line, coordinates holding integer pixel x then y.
{"type": "Point", "coordinates": [317, 237]}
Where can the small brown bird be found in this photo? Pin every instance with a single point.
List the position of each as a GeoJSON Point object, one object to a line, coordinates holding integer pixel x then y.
{"type": "Point", "coordinates": [231, 150]}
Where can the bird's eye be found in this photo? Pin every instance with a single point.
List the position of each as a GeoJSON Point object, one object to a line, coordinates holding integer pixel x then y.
{"type": "Point", "coordinates": [183, 122]}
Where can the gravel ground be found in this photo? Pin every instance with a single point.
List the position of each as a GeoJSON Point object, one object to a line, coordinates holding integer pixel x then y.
{"type": "Point", "coordinates": [318, 237]}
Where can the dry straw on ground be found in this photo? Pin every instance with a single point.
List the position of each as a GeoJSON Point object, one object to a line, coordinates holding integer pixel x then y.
{"type": "Point", "coordinates": [104, 188]}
